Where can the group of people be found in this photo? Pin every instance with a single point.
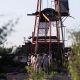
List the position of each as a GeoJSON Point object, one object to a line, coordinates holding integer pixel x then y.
{"type": "Point", "coordinates": [41, 62]}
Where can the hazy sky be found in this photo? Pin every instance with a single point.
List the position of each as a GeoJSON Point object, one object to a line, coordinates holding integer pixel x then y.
{"type": "Point", "coordinates": [12, 9]}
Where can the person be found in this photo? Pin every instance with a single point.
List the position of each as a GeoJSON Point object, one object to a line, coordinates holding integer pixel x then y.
{"type": "Point", "coordinates": [50, 61]}
{"type": "Point", "coordinates": [39, 62]}
{"type": "Point", "coordinates": [33, 62]}
{"type": "Point", "coordinates": [29, 60]}
{"type": "Point", "coordinates": [46, 63]}
{"type": "Point", "coordinates": [50, 58]}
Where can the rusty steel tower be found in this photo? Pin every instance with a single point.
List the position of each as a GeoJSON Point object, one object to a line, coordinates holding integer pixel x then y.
{"type": "Point", "coordinates": [48, 34]}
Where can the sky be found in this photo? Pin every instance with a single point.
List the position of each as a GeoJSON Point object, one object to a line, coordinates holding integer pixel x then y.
{"type": "Point", "coordinates": [13, 9]}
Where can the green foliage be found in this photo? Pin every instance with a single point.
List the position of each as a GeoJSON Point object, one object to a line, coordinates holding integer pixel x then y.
{"type": "Point", "coordinates": [41, 75]}
{"type": "Point", "coordinates": [74, 70]}
{"type": "Point", "coordinates": [33, 75]}
{"type": "Point", "coordinates": [5, 50]}
{"type": "Point", "coordinates": [75, 36]}
{"type": "Point", "coordinates": [74, 62]}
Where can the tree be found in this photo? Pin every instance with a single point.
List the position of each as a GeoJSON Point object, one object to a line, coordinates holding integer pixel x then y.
{"type": "Point", "coordinates": [75, 36]}
{"type": "Point", "coordinates": [6, 29]}
{"type": "Point", "coordinates": [75, 59]}
{"type": "Point", "coordinates": [4, 51]}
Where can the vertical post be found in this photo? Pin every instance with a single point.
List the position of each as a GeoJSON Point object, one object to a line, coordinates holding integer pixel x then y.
{"type": "Point", "coordinates": [40, 2]}
{"type": "Point", "coordinates": [59, 27]}
{"type": "Point", "coordinates": [50, 37]}
{"type": "Point", "coordinates": [57, 8]}
{"type": "Point", "coordinates": [33, 33]}
{"type": "Point", "coordinates": [45, 33]}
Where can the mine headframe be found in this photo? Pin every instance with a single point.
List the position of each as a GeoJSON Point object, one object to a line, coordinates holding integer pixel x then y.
{"type": "Point", "coordinates": [48, 35]}
{"type": "Point", "coordinates": [48, 27]}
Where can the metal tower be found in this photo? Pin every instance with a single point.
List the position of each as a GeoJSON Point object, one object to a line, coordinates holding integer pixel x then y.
{"type": "Point", "coordinates": [48, 35]}
{"type": "Point", "coordinates": [45, 20]}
